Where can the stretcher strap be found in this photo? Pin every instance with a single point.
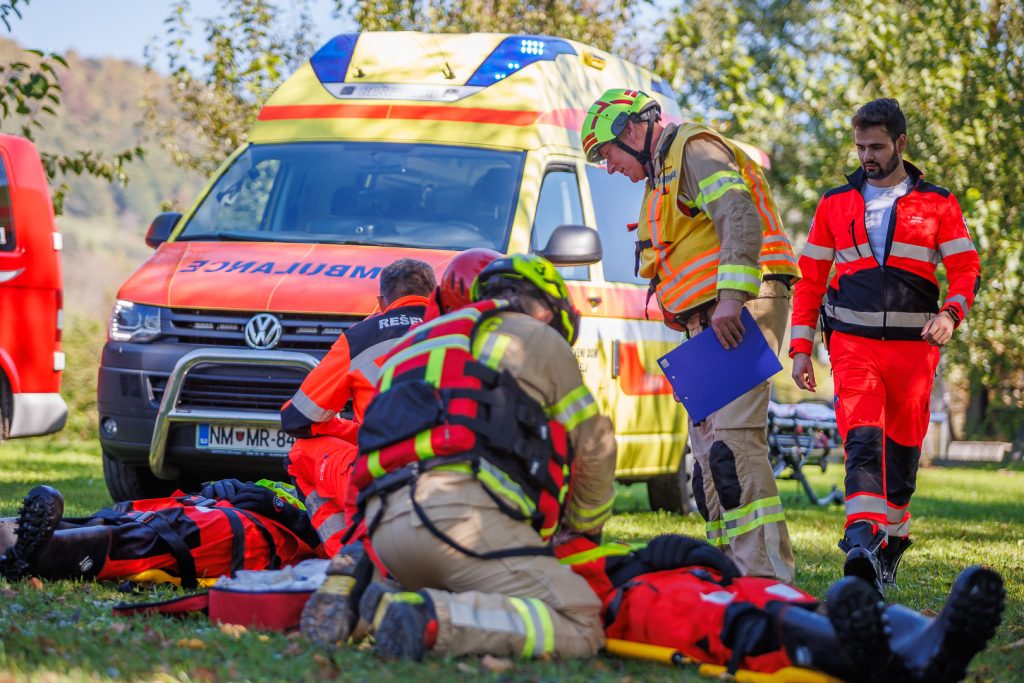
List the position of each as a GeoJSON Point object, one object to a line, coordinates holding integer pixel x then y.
{"type": "Point", "coordinates": [181, 552]}
{"type": "Point", "coordinates": [275, 560]}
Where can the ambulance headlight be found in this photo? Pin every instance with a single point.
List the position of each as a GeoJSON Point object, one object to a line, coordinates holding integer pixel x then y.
{"type": "Point", "coordinates": [132, 322]}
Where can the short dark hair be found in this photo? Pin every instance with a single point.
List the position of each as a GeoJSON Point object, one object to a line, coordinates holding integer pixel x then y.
{"type": "Point", "coordinates": [406, 277]}
{"type": "Point", "coordinates": [884, 112]}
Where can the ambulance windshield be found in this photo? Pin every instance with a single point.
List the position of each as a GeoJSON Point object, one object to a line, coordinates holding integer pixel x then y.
{"type": "Point", "coordinates": [410, 195]}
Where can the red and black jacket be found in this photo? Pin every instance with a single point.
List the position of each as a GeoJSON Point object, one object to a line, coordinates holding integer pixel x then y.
{"type": "Point", "coordinates": [895, 298]}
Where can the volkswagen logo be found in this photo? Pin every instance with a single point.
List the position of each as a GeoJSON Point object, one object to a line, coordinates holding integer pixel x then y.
{"type": "Point", "coordinates": [263, 331]}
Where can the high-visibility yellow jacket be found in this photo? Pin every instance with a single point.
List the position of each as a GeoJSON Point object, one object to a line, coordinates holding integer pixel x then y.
{"type": "Point", "coordinates": [678, 244]}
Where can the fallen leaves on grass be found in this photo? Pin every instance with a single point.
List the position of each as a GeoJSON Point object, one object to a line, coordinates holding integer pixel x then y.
{"type": "Point", "coordinates": [34, 582]}
{"type": "Point", "coordinates": [234, 630]}
{"type": "Point", "coordinates": [192, 644]}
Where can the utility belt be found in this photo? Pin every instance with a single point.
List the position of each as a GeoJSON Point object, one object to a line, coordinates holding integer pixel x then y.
{"type": "Point", "coordinates": [407, 478]}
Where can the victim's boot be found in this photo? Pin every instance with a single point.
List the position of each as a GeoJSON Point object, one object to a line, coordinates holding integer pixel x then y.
{"type": "Point", "coordinates": [40, 513]}
{"type": "Point", "coordinates": [814, 641]}
{"type": "Point", "coordinates": [862, 545]}
{"type": "Point", "coordinates": [75, 553]}
{"type": "Point", "coordinates": [855, 611]}
{"type": "Point", "coordinates": [938, 650]}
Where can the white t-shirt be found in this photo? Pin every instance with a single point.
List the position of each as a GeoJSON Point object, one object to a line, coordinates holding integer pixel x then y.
{"type": "Point", "coordinates": [878, 203]}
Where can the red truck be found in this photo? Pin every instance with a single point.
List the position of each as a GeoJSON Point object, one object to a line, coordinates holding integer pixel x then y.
{"type": "Point", "coordinates": [31, 297]}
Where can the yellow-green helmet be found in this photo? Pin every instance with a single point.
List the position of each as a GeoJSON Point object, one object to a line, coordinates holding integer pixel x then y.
{"type": "Point", "coordinates": [543, 277]}
{"type": "Point", "coordinates": [607, 118]}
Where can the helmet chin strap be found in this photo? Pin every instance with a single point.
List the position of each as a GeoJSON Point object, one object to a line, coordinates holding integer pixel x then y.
{"type": "Point", "coordinates": [644, 156]}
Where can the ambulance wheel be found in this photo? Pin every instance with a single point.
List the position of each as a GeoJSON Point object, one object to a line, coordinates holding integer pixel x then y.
{"type": "Point", "coordinates": [674, 492]}
{"type": "Point", "coordinates": [133, 482]}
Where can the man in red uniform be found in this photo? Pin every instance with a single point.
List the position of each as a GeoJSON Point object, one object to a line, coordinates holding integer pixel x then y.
{"type": "Point", "coordinates": [228, 526]}
{"type": "Point", "coordinates": [681, 593]}
{"type": "Point", "coordinates": [325, 446]}
{"type": "Point", "coordinates": [886, 230]}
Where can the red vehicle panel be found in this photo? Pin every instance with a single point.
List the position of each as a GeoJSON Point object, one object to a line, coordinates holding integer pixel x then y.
{"type": "Point", "coordinates": [31, 296]}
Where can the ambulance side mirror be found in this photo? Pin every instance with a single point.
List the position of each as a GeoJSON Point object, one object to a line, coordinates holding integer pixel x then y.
{"type": "Point", "coordinates": [161, 227]}
{"type": "Point", "coordinates": [573, 245]}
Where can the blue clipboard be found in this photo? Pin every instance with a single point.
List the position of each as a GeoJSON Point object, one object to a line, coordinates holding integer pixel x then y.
{"type": "Point", "coordinates": [706, 376]}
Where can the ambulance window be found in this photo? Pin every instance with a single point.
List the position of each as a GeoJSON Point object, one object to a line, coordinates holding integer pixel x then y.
{"type": "Point", "coordinates": [559, 204]}
{"type": "Point", "coordinates": [6, 224]}
{"type": "Point", "coordinates": [616, 204]}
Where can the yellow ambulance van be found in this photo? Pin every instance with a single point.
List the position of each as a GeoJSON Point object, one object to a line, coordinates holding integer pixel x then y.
{"type": "Point", "coordinates": [383, 145]}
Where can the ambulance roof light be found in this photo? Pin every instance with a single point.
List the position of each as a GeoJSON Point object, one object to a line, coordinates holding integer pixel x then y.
{"type": "Point", "coordinates": [330, 63]}
{"type": "Point", "coordinates": [515, 53]}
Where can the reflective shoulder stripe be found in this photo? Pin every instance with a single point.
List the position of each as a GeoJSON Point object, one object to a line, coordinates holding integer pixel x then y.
{"type": "Point", "coordinates": [574, 408]}
{"type": "Point", "coordinates": [813, 251]}
{"type": "Point", "coordinates": [957, 246]}
{"type": "Point", "coordinates": [305, 405]}
{"type": "Point", "coordinates": [743, 278]}
{"type": "Point", "coordinates": [489, 348]}
{"type": "Point", "coordinates": [802, 332]}
{"type": "Point", "coordinates": [606, 550]}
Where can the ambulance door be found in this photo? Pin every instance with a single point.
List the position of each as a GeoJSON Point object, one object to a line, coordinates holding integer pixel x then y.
{"type": "Point", "coordinates": [650, 426]}
{"type": "Point", "coordinates": [560, 202]}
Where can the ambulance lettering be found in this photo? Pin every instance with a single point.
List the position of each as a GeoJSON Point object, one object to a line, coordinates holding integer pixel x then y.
{"type": "Point", "coordinates": [270, 268]}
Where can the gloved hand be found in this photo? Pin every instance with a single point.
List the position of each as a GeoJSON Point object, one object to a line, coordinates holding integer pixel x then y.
{"type": "Point", "coordinates": [672, 551]}
{"type": "Point", "coordinates": [223, 489]}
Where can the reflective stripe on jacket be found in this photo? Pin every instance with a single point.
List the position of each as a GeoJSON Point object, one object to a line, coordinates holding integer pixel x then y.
{"type": "Point", "coordinates": [893, 299]}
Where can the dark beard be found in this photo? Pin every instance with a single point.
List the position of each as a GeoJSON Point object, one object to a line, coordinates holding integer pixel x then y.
{"type": "Point", "coordinates": [884, 171]}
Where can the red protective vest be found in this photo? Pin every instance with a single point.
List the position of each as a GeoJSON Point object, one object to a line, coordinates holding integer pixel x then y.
{"type": "Point", "coordinates": [439, 406]}
{"type": "Point", "coordinates": [206, 540]}
{"type": "Point", "coordinates": [681, 608]}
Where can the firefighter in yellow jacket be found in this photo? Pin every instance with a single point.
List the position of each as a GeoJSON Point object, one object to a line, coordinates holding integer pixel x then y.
{"type": "Point", "coordinates": [710, 240]}
{"type": "Point", "coordinates": [482, 443]}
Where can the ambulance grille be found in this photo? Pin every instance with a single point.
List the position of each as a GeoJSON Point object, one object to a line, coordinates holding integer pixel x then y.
{"type": "Point", "coordinates": [299, 331]}
{"type": "Point", "coordinates": [226, 388]}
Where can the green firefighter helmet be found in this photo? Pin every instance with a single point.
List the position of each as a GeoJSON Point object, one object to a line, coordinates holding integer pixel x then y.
{"type": "Point", "coordinates": [607, 117]}
{"type": "Point", "coordinates": [543, 277]}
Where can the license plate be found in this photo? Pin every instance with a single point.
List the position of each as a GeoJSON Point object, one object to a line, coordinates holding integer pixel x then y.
{"type": "Point", "coordinates": [254, 439]}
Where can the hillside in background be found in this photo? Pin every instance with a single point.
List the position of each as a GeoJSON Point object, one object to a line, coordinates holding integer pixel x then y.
{"type": "Point", "coordinates": [104, 224]}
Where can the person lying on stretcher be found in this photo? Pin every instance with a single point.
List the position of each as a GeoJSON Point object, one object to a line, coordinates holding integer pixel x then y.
{"type": "Point", "coordinates": [682, 593]}
{"type": "Point", "coordinates": [229, 525]}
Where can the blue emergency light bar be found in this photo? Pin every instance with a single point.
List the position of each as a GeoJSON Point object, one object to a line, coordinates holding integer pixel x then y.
{"type": "Point", "coordinates": [330, 63]}
{"type": "Point", "coordinates": [515, 53]}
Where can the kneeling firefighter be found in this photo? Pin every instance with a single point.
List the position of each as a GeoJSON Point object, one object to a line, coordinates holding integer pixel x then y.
{"type": "Point", "coordinates": [466, 458]}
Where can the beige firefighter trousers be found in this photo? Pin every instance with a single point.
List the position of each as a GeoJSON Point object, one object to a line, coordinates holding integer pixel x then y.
{"type": "Point", "coordinates": [512, 607]}
{"type": "Point", "coordinates": [732, 478]}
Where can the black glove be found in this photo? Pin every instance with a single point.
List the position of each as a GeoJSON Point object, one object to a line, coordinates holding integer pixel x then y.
{"type": "Point", "coordinates": [223, 489]}
{"type": "Point", "coordinates": [672, 551]}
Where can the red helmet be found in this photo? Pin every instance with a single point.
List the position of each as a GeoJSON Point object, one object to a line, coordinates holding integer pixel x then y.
{"type": "Point", "coordinates": [459, 275]}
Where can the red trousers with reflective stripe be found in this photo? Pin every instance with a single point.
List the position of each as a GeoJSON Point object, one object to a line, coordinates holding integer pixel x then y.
{"type": "Point", "coordinates": [321, 468]}
{"type": "Point", "coordinates": [883, 391]}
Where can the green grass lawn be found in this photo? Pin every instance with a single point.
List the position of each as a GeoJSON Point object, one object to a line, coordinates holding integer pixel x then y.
{"type": "Point", "coordinates": [64, 631]}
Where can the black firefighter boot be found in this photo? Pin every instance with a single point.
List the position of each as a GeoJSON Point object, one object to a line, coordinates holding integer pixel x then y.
{"type": "Point", "coordinates": [331, 614]}
{"type": "Point", "coordinates": [938, 650]}
{"type": "Point", "coordinates": [891, 555]}
{"type": "Point", "coordinates": [41, 512]}
{"type": "Point", "coordinates": [824, 643]}
{"type": "Point", "coordinates": [75, 553]}
{"type": "Point", "coordinates": [862, 547]}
